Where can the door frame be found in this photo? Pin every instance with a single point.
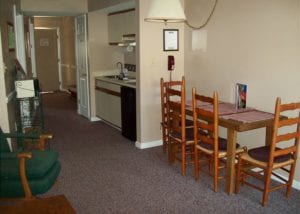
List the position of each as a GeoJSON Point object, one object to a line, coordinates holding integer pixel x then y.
{"type": "Point", "coordinates": [31, 47]}
{"type": "Point", "coordinates": [58, 52]}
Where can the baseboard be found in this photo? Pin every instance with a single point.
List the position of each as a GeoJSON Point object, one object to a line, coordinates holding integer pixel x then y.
{"type": "Point", "coordinates": [296, 184]}
{"type": "Point", "coordinates": [94, 119]}
{"type": "Point", "coordinates": [148, 144]}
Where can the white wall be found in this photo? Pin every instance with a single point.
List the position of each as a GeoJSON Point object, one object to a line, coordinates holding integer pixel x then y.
{"type": "Point", "coordinates": [151, 66]}
{"type": "Point", "coordinates": [254, 42]}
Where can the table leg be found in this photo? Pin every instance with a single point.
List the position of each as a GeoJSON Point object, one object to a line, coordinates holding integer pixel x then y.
{"type": "Point", "coordinates": [231, 138]}
{"type": "Point", "coordinates": [269, 134]}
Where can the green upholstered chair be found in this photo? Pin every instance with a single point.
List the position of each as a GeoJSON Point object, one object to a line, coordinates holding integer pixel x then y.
{"type": "Point", "coordinates": [26, 173]}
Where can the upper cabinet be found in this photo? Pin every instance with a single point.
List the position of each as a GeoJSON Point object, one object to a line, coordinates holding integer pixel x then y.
{"type": "Point", "coordinates": [119, 24]}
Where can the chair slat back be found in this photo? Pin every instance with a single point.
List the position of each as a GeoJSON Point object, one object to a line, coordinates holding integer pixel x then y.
{"type": "Point", "coordinates": [163, 89]}
{"type": "Point", "coordinates": [290, 133]}
{"type": "Point", "coordinates": [175, 97]}
{"type": "Point", "coordinates": [205, 121]}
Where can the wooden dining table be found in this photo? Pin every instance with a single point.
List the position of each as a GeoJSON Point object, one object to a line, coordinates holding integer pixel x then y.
{"type": "Point", "coordinates": [237, 120]}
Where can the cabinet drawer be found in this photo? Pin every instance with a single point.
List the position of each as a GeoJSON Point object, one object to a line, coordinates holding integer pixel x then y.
{"type": "Point", "coordinates": [108, 88]}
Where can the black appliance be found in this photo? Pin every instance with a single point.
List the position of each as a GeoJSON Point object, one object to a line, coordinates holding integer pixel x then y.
{"type": "Point", "coordinates": [128, 112]}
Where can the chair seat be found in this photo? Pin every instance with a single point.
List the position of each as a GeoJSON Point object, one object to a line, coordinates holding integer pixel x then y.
{"type": "Point", "coordinates": [188, 123]}
{"type": "Point", "coordinates": [264, 165]}
{"type": "Point", "coordinates": [263, 154]}
{"type": "Point", "coordinates": [208, 148]}
{"type": "Point", "coordinates": [36, 167]}
{"type": "Point", "coordinates": [189, 135]}
{"type": "Point", "coordinates": [222, 144]}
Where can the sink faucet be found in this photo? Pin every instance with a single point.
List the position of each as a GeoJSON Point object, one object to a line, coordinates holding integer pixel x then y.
{"type": "Point", "coordinates": [121, 71]}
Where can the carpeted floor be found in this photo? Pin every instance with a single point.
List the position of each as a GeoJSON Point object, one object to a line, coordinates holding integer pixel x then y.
{"type": "Point", "coordinates": [102, 172]}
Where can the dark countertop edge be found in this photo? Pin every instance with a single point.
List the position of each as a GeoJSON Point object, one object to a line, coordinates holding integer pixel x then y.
{"type": "Point", "coordinates": [116, 82]}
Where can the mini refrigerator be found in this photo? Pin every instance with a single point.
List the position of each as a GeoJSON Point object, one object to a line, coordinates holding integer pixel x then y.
{"type": "Point", "coordinates": [128, 112]}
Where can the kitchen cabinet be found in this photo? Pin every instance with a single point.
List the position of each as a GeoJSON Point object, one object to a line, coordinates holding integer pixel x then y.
{"type": "Point", "coordinates": [119, 24]}
{"type": "Point", "coordinates": [108, 102]}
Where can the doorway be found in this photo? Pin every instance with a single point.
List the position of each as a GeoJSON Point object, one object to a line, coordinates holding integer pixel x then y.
{"type": "Point", "coordinates": [48, 58]}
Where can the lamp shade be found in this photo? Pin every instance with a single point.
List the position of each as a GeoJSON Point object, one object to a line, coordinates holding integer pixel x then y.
{"type": "Point", "coordinates": [165, 11]}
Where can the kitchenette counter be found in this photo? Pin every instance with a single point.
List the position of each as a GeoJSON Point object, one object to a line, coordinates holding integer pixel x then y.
{"type": "Point", "coordinates": [114, 96]}
{"type": "Point", "coordinates": [131, 83]}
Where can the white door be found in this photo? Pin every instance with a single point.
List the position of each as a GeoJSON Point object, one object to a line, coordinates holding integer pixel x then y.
{"type": "Point", "coordinates": [82, 66]}
{"type": "Point", "coordinates": [47, 58]}
{"type": "Point", "coordinates": [31, 47]}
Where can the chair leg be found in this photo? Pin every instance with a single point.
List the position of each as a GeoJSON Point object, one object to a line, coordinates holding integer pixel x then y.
{"type": "Point", "coordinates": [290, 181]}
{"type": "Point", "coordinates": [216, 175]}
{"type": "Point", "coordinates": [238, 176]}
{"type": "Point", "coordinates": [164, 146]}
{"type": "Point", "coordinates": [170, 151]}
{"type": "Point", "coordinates": [165, 143]}
{"type": "Point", "coordinates": [196, 164]}
{"type": "Point", "coordinates": [183, 159]}
{"type": "Point", "coordinates": [267, 174]}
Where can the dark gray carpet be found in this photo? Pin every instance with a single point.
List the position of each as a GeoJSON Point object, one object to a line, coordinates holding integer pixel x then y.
{"type": "Point", "coordinates": [102, 172]}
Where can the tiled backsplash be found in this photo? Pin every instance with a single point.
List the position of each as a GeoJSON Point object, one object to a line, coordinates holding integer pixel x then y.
{"type": "Point", "coordinates": [130, 67]}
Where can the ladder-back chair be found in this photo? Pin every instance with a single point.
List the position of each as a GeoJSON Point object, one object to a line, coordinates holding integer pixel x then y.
{"type": "Point", "coordinates": [207, 143]}
{"type": "Point", "coordinates": [180, 137]}
{"type": "Point", "coordinates": [262, 162]}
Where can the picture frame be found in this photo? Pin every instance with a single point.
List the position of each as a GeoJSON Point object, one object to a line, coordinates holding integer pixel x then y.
{"type": "Point", "coordinates": [241, 96]}
{"type": "Point", "coordinates": [171, 39]}
{"type": "Point", "coordinates": [10, 36]}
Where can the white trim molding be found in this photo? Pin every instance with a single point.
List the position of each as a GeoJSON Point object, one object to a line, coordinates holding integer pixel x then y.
{"type": "Point", "coordinates": [296, 184]}
{"type": "Point", "coordinates": [95, 119]}
{"type": "Point", "coordinates": [148, 144]}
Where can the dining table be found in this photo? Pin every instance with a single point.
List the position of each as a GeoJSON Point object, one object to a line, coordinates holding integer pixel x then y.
{"type": "Point", "coordinates": [237, 120]}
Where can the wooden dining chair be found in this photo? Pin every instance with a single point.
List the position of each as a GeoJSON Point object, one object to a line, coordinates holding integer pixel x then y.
{"type": "Point", "coordinates": [281, 155]}
{"type": "Point", "coordinates": [164, 123]}
{"type": "Point", "coordinates": [209, 148]}
{"type": "Point", "coordinates": [179, 136]}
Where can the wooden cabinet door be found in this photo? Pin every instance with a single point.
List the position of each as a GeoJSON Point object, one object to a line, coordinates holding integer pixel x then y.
{"type": "Point", "coordinates": [115, 28]}
{"type": "Point", "coordinates": [120, 24]}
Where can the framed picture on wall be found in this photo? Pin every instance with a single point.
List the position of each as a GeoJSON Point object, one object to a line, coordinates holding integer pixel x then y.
{"type": "Point", "coordinates": [171, 40]}
{"type": "Point", "coordinates": [10, 36]}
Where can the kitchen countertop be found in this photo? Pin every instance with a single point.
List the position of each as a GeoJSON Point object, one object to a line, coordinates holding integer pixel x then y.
{"type": "Point", "coordinates": [129, 83]}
